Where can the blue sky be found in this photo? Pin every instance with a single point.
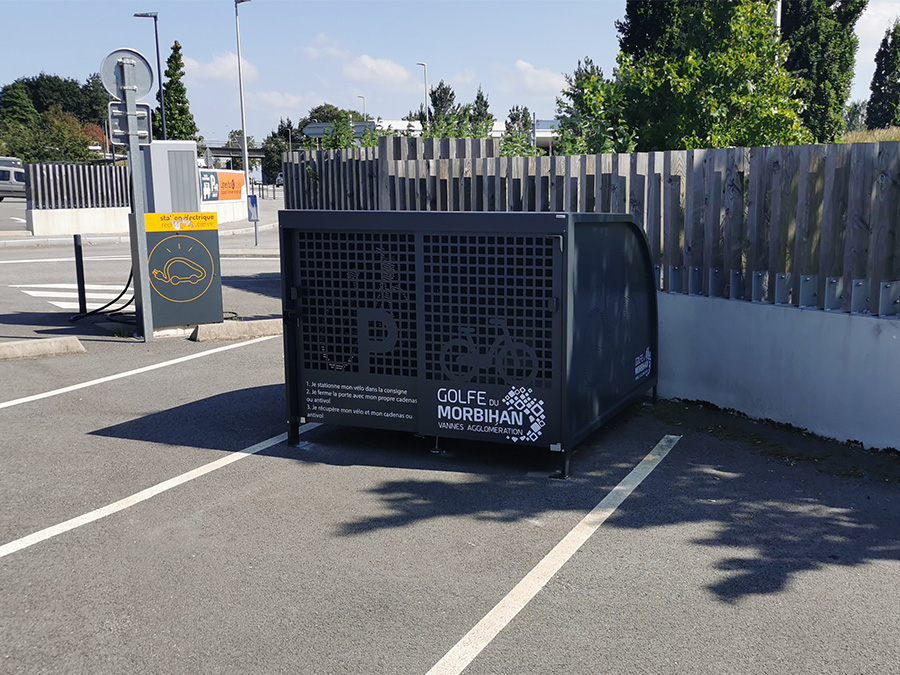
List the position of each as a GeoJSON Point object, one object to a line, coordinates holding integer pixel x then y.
{"type": "Point", "coordinates": [300, 53]}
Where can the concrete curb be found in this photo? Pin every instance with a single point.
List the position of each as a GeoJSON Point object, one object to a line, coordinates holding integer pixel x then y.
{"type": "Point", "coordinates": [29, 349]}
{"type": "Point", "coordinates": [236, 330]}
{"type": "Point", "coordinates": [17, 240]}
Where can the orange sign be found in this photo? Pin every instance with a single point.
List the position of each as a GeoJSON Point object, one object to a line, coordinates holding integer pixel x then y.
{"type": "Point", "coordinates": [230, 184]}
{"type": "Point", "coordinates": [181, 222]}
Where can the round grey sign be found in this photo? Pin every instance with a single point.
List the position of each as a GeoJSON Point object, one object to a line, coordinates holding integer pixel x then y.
{"type": "Point", "coordinates": [113, 77]}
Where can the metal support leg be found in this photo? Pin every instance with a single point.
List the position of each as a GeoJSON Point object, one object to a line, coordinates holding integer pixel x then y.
{"type": "Point", "coordinates": [293, 438]}
{"type": "Point", "coordinates": [565, 466]}
{"type": "Point", "coordinates": [436, 450]}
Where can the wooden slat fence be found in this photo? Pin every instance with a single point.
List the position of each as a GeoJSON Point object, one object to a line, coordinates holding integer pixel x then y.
{"type": "Point", "coordinates": [809, 226]}
{"type": "Point", "coordinates": [76, 186]}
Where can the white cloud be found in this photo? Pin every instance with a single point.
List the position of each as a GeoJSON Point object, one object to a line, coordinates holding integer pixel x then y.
{"type": "Point", "coordinates": [538, 81]}
{"type": "Point", "coordinates": [462, 79]}
{"type": "Point", "coordinates": [381, 72]}
{"type": "Point", "coordinates": [223, 68]}
{"type": "Point", "coordinates": [324, 47]}
{"type": "Point", "coordinates": [277, 100]}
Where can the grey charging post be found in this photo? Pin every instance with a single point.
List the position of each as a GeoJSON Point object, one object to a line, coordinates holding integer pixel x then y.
{"type": "Point", "coordinates": [127, 76]}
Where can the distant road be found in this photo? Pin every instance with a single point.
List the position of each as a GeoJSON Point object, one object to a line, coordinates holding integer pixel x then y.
{"type": "Point", "coordinates": [12, 215]}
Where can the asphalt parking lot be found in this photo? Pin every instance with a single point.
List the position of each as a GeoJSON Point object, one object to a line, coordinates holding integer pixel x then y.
{"type": "Point", "coordinates": [152, 520]}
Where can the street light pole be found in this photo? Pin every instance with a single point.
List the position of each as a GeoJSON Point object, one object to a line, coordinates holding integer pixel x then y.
{"type": "Point", "coordinates": [237, 28]}
{"type": "Point", "coordinates": [425, 100]}
{"type": "Point", "coordinates": [364, 107]}
{"type": "Point", "coordinates": [162, 102]}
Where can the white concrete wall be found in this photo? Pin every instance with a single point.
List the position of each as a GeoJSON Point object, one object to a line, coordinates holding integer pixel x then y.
{"type": "Point", "coordinates": [226, 211]}
{"type": "Point", "coordinates": [834, 374]}
{"type": "Point", "coordinates": [44, 222]}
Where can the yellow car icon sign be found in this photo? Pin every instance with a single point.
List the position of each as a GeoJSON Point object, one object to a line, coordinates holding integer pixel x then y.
{"type": "Point", "coordinates": [185, 272]}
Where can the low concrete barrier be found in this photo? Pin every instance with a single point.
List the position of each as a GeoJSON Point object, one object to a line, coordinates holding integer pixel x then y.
{"type": "Point", "coordinates": [835, 374]}
{"type": "Point", "coordinates": [29, 349]}
{"type": "Point", "coordinates": [50, 222]}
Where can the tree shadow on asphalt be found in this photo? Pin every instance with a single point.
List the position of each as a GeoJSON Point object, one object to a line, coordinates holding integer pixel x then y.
{"type": "Point", "coordinates": [55, 324]}
{"type": "Point", "coordinates": [775, 502]}
{"type": "Point", "coordinates": [267, 284]}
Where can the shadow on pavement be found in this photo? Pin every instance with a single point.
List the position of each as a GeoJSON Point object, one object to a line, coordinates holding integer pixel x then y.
{"type": "Point", "coordinates": [775, 502]}
{"type": "Point", "coordinates": [267, 284]}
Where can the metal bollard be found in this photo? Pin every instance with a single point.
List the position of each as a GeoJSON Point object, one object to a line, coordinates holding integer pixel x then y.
{"type": "Point", "coordinates": [79, 276]}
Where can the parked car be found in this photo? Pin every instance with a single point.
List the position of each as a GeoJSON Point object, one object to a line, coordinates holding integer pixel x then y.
{"type": "Point", "coordinates": [279, 179]}
{"type": "Point", "coordinates": [12, 177]}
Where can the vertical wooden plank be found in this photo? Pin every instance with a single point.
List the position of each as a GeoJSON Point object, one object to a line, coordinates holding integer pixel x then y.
{"type": "Point", "coordinates": [806, 238]}
{"type": "Point", "coordinates": [602, 182]}
{"type": "Point", "coordinates": [384, 157]}
{"type": "Point", "coordinates": [884, 223]}
{"type": "Point", "coordinates": [552, 175]}
{"type": "Point", "coordinates": [653, 210]}
{"type": "Point", "coordinates": [783, 220]}
{"type": "Point", "coordinates": [713, 258]}
{"type": "Point", "coordinates": [453, 184]}
{"type": "Point", "coordinates": [674, 168]}
{"type": "Point", "coordinates": [516, 170]}
{"type": "Point", "coordinates": [637, 193]}
{"type": "Point", "coordinates": [733, 220]}
{"type": "Point", "coordinates": [541, 167]}
{"type": "Point", "coordinates": [528, 184]}
{"type": "Point", "coordinates": [834, 215]}
{"type": "Point", "coordinates": [757, 202]}
{"type": "Point", "coordinates": [693, 212]}
{"type": "Point", "coordinates": [863, 166]}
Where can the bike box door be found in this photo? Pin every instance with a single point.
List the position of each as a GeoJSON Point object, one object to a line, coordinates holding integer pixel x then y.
{"type": "Point", "coordinates": [491, 316]}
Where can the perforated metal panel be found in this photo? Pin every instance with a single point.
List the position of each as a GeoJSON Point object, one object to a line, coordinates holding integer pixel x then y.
{"type": "Point", "coordinates": [348, 277]}
{"type": "Point", "coordinates": [486, 301]}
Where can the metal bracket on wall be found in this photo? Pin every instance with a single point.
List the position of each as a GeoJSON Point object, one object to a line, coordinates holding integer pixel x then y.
{"type": "Point", "coordinates": [860, 292]}
{"type": "Point", "coordinates": [716, 289]}
{"type": "Point", "coordinates": [675, 279]}
{"type": "Point", "coordinates": [889, 300]}
{"type": "Point", "coordinates": [809, 293]}
{"type": "Point", "coordinates": [695, 281]}
{"type": "Point", "coordinates": [782, 289]}
{"type": "Point", "coordinates": [834, 294]}
{"type": "Point", "coordinates": [736, 289]}
{"type": "Point", "coordinates": [760, 286]}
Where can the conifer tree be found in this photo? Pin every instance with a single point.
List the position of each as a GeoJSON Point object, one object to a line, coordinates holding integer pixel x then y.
{"type": "Point", "coordinates": [883, 109]}
{"type": "Point", "coordinates": [180, 123]}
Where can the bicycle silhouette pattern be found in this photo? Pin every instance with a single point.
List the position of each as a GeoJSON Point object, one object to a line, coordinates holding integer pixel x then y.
{"type": "Point", "coordinates": [513, 361]}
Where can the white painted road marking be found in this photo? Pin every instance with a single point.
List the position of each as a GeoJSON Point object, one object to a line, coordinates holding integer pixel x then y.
{"type": "Point", "coordinates": [56, 260]}
{"type": "Point", "coordinates": [462, 654]}
{"type": "Point", "coordinates": [143, 495]}
{"type": "Point", "coordinates": [137, 371]}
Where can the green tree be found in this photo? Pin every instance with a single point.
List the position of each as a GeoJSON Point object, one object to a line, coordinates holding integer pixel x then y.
{"type": "Point", "coordinates": [19, 122]}
{"type": "Point", "coordinates": [646, 25]}
{"type": "Point", "coordinates": [590, 114]}
{"type": "Point", "coordinates": [236, 140]}
{"type": "Point", "coordinates": [722, 84]}
{"type": "Point", "coordinates": [822, 43]}
{"type": "Point", "coordinates": [94, 101]}
{"type": "Point", "coordinates": [883, 109]}
{"type": "Point", "coordinates": [46, 91]}
{"type": "Point", "coordinates": [516, 140]}
{"type": "Point", "coordinates": [855, 116]}
{"type": "Point", "coordinates": [180, 124]}
{"type": "Point", "coordinates": [62, 138]}
{"type": "Point", "coordinates": [340, 135]}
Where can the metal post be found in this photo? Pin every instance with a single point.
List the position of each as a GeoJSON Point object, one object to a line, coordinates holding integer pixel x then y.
{"type": "Point", "coordinates": [162, 101]}
{"type": "Point", "coordinates": [79, 276]}
{"type": "Point", "coordinates": [425, 100]}
{"type": "Point", "coordinates": [139, 258]}
{"type": "Point", "coordinates": [237, 29]}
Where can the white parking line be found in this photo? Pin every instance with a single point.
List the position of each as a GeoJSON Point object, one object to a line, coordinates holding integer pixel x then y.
{"type": "Point", "coordinates": [137, 371]}
{"type": "Point", "coordinates": [143, 495]}
{"type": "Point", "coordinates": [462, 654]}
{"type": "Point", "coordinates": [55, 260]}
